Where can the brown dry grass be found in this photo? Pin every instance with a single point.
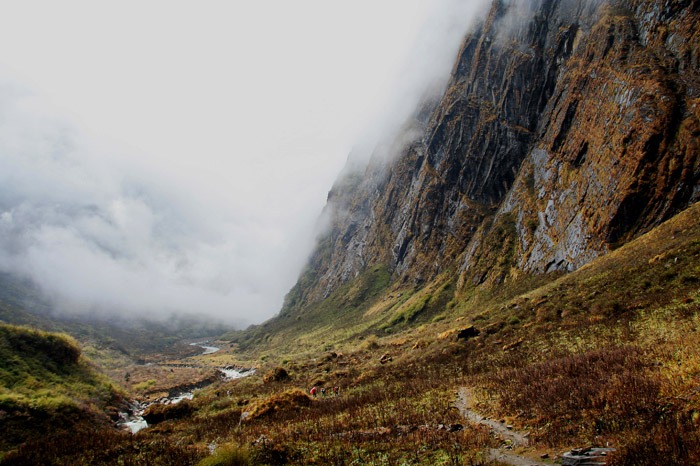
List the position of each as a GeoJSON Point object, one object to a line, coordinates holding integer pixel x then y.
{"type": "Point", "coordinates": [608, 354]}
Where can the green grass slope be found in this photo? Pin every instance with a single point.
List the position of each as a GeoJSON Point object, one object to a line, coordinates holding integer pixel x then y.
{"type": "Point", "coordinates": [46, 385]}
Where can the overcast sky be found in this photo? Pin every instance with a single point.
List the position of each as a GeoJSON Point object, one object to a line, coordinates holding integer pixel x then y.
{"type": "Point", "coordinates": [161, 157]}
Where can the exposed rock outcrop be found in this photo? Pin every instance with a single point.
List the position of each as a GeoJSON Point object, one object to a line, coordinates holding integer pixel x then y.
{"type": "Point", "coordinates": [568, 127]}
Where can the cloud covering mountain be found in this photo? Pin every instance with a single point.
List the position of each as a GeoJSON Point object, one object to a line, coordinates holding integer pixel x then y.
{"type": "Point", "coordinates": [163, 159]}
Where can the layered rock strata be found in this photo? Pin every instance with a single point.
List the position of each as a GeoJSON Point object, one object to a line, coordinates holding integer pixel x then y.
{"type": "Point", "coordinates": [568, 127]}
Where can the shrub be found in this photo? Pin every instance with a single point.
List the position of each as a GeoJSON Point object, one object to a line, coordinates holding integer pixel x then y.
{"type": "Point", "coordinates": [289, 400]}
{"type": "Point", "coordinates": [600, 392]}
{"type": "Point", "coordinates": [157, 413]}
{"type": "Point", "coordinates": [673, 440]}
{"type": "Point", "coordinates": [54, 350]}
{"type": "Point", "coordinates": [228, 455]}
{"type": "Point", "coordinates": [279, 374]}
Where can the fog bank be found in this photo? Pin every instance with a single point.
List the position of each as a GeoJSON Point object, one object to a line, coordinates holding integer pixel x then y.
{"type": "Point", "coordinates": [161, 159]}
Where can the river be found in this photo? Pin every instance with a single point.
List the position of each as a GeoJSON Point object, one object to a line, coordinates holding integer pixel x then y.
{"type": "Point", "coordinates": [134, 421]}
{"type": "Point", "coordinates": [207, 349]}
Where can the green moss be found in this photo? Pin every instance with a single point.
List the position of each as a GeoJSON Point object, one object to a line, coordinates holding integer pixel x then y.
{"type": "Point", "coordinates": [410, 310]}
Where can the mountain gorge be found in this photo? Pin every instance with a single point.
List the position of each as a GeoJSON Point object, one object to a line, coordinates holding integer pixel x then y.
{"type": "Point", "coordinates": [567, 128]}
{"type": "Point", "coordinates": [514, 275]}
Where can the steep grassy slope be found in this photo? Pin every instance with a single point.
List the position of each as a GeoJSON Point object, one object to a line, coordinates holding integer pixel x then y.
{"type": "Point", "coordinates": [46, 385]}
{"type": "Point", "coordinates": [650, 272]}
{"type": "Point", "coordinates": [607, 354]}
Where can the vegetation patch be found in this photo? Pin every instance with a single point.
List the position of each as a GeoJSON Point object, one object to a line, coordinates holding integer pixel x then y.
{"type": "Point", "coordinates": [44, 382]}
{"type": "Point", "coordinates": [604, 355]}
{"type": "Point", "coordinates": [228, 455]}
{"type": "Point", "coordinates": [159, 412]}
{"type": "Point", "coordinates": [289, 400]}
{"type": "Point", "coordinates": [584, 395]}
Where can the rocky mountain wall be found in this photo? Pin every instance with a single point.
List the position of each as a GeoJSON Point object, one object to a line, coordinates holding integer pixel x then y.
{"type": "Point", "coordinates": [568, 127]}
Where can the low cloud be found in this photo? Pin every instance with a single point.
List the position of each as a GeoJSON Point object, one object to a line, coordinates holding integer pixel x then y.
{"type": "Point", "coordinates": [195, 191]}
{"type": "Point", "coordinates": [101, 236]}
{"type": "Point", "coordinates": [423, 76]}
{"type": "Point", "coordinates": [519, 15]}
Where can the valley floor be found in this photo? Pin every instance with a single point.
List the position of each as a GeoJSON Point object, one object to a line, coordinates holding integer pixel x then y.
{"type": "Point", "coordinates": [607, 356]}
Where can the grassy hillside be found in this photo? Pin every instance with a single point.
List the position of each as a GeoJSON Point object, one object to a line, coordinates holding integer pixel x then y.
{"type": "Point", "coordinates": [607, 355]}
{"type": "Point", "coordinates": [342, 317]}
{"type": "Point", "coordinates": [46, 383]}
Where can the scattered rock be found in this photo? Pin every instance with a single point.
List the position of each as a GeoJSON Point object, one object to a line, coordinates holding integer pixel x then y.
{"type": "Point", "coordinates": [278, 374]}
{"type": "Point", "coordinates": [111, 411]}
{"type": "Point", "coordinates": [263, 440]}
{"type": "Point", "coordinates": [468, 333]}
{"type": "Point", "coordinates": [583, 456]}
{"type": "Point", "coordinates": [455, 428]}
{"type": "Point", "coordinates": [212, 447]}
{"type": "Point", "coordinates": [450, 428]}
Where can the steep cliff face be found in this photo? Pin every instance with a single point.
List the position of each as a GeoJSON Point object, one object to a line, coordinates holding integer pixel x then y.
{"type": "Point", "coordinates": [568, 127]}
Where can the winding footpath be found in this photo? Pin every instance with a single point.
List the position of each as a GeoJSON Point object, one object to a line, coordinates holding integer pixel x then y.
{"type": "Point", "coordinates": [511, 438]}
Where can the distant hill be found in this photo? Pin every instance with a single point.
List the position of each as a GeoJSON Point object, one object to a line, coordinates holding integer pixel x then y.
{"type": "Point", "coordinates": [22, 303]}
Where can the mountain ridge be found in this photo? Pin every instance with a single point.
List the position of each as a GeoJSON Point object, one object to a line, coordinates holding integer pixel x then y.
{"type": "Point", "coordinates": [567, 128]}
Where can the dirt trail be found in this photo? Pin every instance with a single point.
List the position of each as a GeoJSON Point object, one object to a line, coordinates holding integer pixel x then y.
{"type": "Point", "coordinates": [511, 437]}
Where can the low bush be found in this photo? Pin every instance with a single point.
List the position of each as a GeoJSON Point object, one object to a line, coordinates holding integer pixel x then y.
{"type": "Point", "coordinates": [603, 391]}
{"type": "Point", "coordinates": [228, 455]}
{"type": "Point", "coordinates": [291, 399]}
{"type": "Point", "coordinates": [157, 413]}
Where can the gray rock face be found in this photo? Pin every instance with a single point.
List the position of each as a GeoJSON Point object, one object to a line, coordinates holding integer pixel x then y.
{"type": "Point", "coordinates": [567, 127]}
